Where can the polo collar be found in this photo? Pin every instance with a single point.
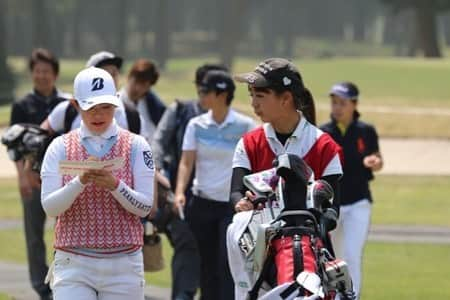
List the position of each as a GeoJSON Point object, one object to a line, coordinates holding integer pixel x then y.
{"type": "Point", "coordinates": [110, 132]}
{"type": "Point", "coordinates": [270, 131]}
{"type": "Point", "coordinates": [230, 118]}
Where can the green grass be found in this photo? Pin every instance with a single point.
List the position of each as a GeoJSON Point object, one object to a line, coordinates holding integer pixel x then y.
{"type": "Point", "coordinates": [387, 81]}
{"type": "Point", "coordinates": [393, 82]}
{"type": "Point", "coordinates": [405, 200]}
{"type": "Point", "coordinates": [11, 203]}
{"type": "Point", "coordinates": [4, 297]}
{"type": "Point", "coordinates": [391, 271]}
{"type": "Point", "coordinates": [411, 200]}
{"type": "Point", "coordinates": [406, 271]}
{"type": "Point", "coordinates": [15, 252]}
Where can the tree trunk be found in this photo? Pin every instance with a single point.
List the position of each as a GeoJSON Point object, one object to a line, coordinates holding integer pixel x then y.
{"type": "Point", "coordinates": [122, 32]}
{"type": "Point", "coordinates": [76, 30]}
{"type": "Point", "coordinates": [41, 29]}
{"type": "Point", "coordinates": [162, 33]}
{"type": "Point", "coordinates": [230, 29]}
{"type": "Point", "coordinates": [426, 29]}
{"type": "Point", "coordinates": [6, 76]}
{"type": "Point", "coordinates": [269, 36]}
{"type": "Point", "coordinates": [360, 20]}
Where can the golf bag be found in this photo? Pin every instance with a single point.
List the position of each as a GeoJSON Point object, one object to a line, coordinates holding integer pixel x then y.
{"type": "Point", "coordinates": [288, 248]}
{"type": "Point", "coordinates": [27, 141]}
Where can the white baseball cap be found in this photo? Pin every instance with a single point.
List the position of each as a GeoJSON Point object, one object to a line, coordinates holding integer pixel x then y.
{"type": "Point", "coordinates": [94, 86]}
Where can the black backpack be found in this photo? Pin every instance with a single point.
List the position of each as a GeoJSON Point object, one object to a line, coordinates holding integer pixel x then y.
{"type": "Point", "coordinates": [185, 111]}
{"type": "Point", "coordinates": [133, 118]}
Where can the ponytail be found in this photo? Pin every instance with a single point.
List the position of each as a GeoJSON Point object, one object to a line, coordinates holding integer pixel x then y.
{"type": "Point", "coordinates": [305, 103]}
{"type": "Point", "coordinates": [303, 100]}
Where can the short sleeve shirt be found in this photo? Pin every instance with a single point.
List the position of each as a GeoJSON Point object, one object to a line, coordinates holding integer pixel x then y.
{"type": "Point", "coordinates": [214, 145]}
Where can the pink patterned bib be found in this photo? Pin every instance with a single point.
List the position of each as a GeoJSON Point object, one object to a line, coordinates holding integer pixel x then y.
{"type": "Point", "coordinates": [96, 219]}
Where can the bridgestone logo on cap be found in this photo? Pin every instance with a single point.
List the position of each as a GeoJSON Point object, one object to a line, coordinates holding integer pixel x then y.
{"type": "Point", "coordinates": [97, 84]}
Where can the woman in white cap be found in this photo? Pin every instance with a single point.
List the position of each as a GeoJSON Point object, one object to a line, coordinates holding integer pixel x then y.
{"type": "Point", "coordinates": [359, 141]}
{"type": "Point", "coordinates": [98, 232]}
{"type": "Point", "coordinates": [65, 117]}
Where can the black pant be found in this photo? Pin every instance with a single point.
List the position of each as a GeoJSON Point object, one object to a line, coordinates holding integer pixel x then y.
{"type": "Point", "coordinates": [185, 260]}
{"type": "Point", "coordinates": [34, 223]}
{"type": "Point", "coordinates": [209, 221]}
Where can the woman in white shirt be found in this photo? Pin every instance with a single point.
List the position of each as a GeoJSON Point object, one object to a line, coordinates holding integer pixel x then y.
{"type": "Point", "coordinates": [98, 232]}
{"type": "Point", "coordinates": [209, 142]}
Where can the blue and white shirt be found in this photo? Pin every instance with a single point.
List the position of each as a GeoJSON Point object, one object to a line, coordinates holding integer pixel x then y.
{"type": "Point", "coordinates": [214, 145]}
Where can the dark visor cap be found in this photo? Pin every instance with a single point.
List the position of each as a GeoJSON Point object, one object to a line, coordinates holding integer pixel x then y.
{"type": "Point", "coordinates": [217, 80]}
{"type": "Point", "coordinates": [273, 72]}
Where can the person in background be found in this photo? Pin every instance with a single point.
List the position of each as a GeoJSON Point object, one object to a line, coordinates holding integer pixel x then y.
{"type": "Point", "coordinates": [65, 117]}
{"type": "Point", "coordinates": [138, 93]}
{"type": "Point", "coordinates": [285, 105]}
{"type": "Point", "coordinates": [362, 157]}
{"type": "Point", "coordinates": [167, 148]}
{"type": "Point", "coordinates": [209, 143]}
{"type": "Point", "coordinates": [98, 232]}
{"type": "Point", "coordinates": [34, 108]}
{"type": "Point", "coordinates": [109, 62]}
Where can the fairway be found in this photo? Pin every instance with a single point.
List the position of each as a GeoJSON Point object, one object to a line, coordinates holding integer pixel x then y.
{"type": "Point", "coordinates": [391, 271]}
{"type": "Point", "coordinates": [382, 81]}
{"type": "Point", "coordinates": [406, 271]}
{"type": "Point", "coordinates": [411, 200]}
{"type": "Point", "coordinates": [391, 84]}
{"type": "Point", "coordinates": [407, 200]}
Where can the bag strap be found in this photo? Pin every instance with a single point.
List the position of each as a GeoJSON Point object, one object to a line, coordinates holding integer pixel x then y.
{"type": "Point", "coordinates": [297, 254]}
{"type": "Point", "coordinates": [253, 293]}
{"type": "Point", "coordinates": [290, 289]}
{"type": "Point", "coordinates": [69, 116]}
{"type": "Point", "coordinates": [133, 118]}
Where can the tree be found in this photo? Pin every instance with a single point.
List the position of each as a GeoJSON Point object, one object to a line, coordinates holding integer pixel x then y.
{"type": "Point", "coordinates": [122, 23]}
{"type": "Point", "coordinates": [40, 24]}
{"type": "Point", "coordinates": [6, 76]}
{"type": "Point", "coordinates": [424, 20]}
{"type": "Point", "coordinates": [231, 15]}
{"type": "Point", "coordinates": [162, 33]}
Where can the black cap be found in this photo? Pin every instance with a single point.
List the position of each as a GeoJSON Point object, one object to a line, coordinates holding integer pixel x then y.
{"type": "Point", "coordinates": [271, 73]}
{"type": "Point", "coordinates": [219, 81]}
{"type": "Point", "coordinates": [345, 90]}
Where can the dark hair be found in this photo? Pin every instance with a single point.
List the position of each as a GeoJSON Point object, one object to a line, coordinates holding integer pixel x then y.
{"type": "Point", "coordinates": [203, 69]}
{"type": "Point", "coordinates": [356, 113]}
{"type": "Point", "coordinates": [43, 55]}
{"type": "Point", "coordinates": [303, 100]}
{"type": "Point", "coordinates": [144, 70]}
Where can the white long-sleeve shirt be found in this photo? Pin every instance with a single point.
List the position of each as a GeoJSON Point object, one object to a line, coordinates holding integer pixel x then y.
{"type": "Point", "coordinates": [56, 198]}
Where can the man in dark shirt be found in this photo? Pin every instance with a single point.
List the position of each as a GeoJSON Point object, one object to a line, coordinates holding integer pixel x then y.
{"type": "Point", "coordinates": [359, 142]}
{"type": "Point", "coordinates": [34, 108]}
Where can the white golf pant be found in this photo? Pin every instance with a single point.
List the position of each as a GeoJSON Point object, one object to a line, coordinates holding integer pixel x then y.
{"type": "Point", "coordinates": [350, 237]}
{"type": "Point", "coordinates": [82, 277]}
